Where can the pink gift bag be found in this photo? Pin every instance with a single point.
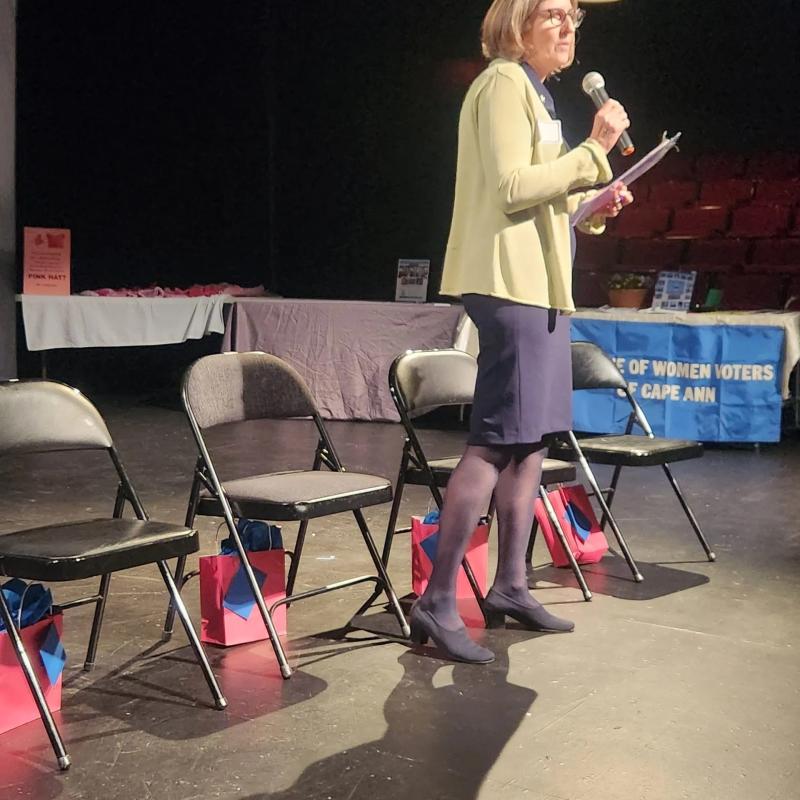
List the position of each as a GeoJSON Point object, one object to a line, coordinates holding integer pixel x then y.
{"type": "Point", "coordinates": [229, 612]}
{"type": "Point", "coordinates": [17, 705]}
{"type": "Point", "coordinates": [579, 523]}
{"type": "Point", "coordinates": [424, 542]}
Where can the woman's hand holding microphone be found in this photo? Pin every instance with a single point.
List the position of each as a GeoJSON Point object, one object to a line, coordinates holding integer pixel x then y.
{"type": "Point", "coordinates": [610, 121]}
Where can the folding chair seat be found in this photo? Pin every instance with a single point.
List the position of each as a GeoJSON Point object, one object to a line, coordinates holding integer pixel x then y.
{"type": "Point", "coordinates": [593, 369]}
{"type": "Point", "coordinates": [698, 223]}
{"type": "Point", "coordinates": [756, 221]}
{"type": "Point", "coordinates": [778, 191]}
{"type": "Point", "coordinates": [726, 193]}
{"type": "Point", "coordinates": [673, 194]}
{"type": "Point", "coordinates": [420, 381]}
{"type": "Point", "coordinates": [718, 255]}
{"type": "Point", "coordinates": [45, 417]}
{"type": "Point", "coordinates": [719, 166]}
{"type": "Point", "coordinates": [641, 221]}
{"type": "Point", "coordinates": [651, 254]}
{"type": "Point", "coordinates": [243, 388]}
{"type": "Point", "coordinates": [773, 165]}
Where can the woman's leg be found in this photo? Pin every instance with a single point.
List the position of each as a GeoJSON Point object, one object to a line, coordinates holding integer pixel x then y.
{"type": "Point", "coordinates": [515, 494]}
{"type": "Point", "coordinates": [469, 491]}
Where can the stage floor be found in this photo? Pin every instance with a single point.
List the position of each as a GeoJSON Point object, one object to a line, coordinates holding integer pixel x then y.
{"type": "Point", "coordinates": [684, 686]}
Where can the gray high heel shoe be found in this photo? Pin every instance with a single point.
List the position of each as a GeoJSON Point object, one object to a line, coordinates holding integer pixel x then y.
{"type": "Point", "coordinates": [455, 645]}
{"type": "Point", "coordinates": [497, 606]}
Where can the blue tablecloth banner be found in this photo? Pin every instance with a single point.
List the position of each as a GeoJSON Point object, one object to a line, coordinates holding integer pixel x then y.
{"type": "Point", "coordinates": [712, 383]}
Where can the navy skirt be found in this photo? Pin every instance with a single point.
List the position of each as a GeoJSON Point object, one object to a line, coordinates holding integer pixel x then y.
{"type": "Point", "coordinates": [523, 393]}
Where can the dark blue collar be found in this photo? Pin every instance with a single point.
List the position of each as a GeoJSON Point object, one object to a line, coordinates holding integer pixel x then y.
{"type": "Point", "coordinates": [540, 89]}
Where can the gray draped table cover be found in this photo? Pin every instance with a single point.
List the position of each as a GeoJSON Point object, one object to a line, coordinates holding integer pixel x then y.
{"type": "Point", "coordinates": [342, 348]}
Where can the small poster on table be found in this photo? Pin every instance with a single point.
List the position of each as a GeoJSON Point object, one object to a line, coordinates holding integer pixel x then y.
{"type": "Point", "coordinates": [46, 261]}
{"type": "Point", "coordinates": [412, 280]}
{"type": "Point", "coordinates": [673, 291]}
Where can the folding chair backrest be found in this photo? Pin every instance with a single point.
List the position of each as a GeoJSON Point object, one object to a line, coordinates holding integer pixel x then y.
{"type": "Point", "coordinates": [40, 416]}
{"type": "Point", "coordinates": [234, 387]}
{"type": "Point", "coordinates": [593, 369]}
{"type": "Point", "coordinates": [426, 379]}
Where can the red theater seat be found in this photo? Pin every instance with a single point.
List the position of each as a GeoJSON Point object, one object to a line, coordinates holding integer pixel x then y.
{"type": "Point", "coordinates": [673, 193]}
{"type": "Point", "coordinates": [675, 167]}
{"type": "Point", "coordinates": [773, 165]}
{"type": "Point", "coordinates": [590, 289]}
{"type": "Point", "coordinates": [778, 192]}
{"type": "Point", "coordinates": [596, 252]}
{"type": "Point", "coordinates": [794, 227]}
{"type": "Point", "coordinates": [792, 302]}
{"type": "Point", "coordinates": [698, 223]}
{"type": "Point", "coordinates": [757, 221]}
{"type": "Point", "coordinates": [775, 255]}
{"type": "Point", "coordinates": [653, 254]}
{"type": "Point", "coordinates": [718, 166]}
{"type": "Point", "coordinates": [726, 193]}
{"type": "Point", "coordinates": [751, 292]}
{"type": "Point", "coordinates": [716, 255]}
{"type": "Point", "coordinates": [642, 220]}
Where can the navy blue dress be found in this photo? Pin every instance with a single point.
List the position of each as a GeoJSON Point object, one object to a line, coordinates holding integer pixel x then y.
{"type": "Point", "coordinates": [523, 392]}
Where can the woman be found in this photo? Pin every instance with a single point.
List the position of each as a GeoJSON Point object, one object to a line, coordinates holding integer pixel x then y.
{"type": "Point", "coordinates": [509, 256]}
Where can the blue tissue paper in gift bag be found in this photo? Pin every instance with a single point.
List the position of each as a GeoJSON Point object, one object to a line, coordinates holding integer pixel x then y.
{"type": "Point", "coordinates": [256, 537]}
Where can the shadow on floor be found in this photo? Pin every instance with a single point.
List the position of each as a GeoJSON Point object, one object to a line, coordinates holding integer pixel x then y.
{"type": "Point", "coordinates": [611, 577]}
{"type": "Point", "coordinates": [163, 695]}
{"type": "Point", "coordinates": [447, 725]}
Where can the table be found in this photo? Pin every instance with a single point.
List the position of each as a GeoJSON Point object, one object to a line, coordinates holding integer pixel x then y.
{"type": "Point", "coordinates": [711, 376]}
{"type": "Point", "coordinates": [53, 322]}
{"type": "Point", "coordinates": [342, 348]}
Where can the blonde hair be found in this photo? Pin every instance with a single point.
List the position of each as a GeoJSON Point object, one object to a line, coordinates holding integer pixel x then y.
{"type": "Point", "coordinates": [504, 28]}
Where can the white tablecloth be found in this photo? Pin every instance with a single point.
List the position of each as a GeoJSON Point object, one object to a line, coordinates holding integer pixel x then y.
{"type": "Point", "coordinates": [77, 321]}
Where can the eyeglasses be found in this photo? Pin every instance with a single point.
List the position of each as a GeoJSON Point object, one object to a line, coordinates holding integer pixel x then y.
{"type": "Point", "coordinates": [556, 17]}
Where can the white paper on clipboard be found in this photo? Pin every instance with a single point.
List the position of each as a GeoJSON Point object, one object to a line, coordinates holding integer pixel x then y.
{"type": "Point", "coordinates": [606, 194]}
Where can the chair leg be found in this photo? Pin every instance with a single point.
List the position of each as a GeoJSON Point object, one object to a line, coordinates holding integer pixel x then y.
{"type": "Point", "coordinates": [612, 492]}
{"type": "Point", "coordinates": [169, 621]}
{"type": "Point", "coordinates": [531, 542]}
{"type": "Point", "coordinates": [559, 531]}
{"type": "Point", "coordinates": [623, 545]}
{"type": "Point", "coordinates": [36, 690]}
{"type": "Point", "coordinates": [388, 541]}
{"type": "Point", "coordinates": [710, 555]}
{"type": "Point", "coordinates": [298, 551]}
{"type": "Point", "coordinates": [177, 602]}
{"type": "Point", "coordinates": [382, 573]}
{"type": "Point", "coordinates": [99, 611]}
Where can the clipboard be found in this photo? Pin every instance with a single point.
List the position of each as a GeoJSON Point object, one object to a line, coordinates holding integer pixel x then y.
{"type": "Point", "coordinates": [642, 166]}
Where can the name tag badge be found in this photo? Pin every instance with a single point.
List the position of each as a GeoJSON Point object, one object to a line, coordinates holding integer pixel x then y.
{"type": "Point", "coordinates": [549, 131]}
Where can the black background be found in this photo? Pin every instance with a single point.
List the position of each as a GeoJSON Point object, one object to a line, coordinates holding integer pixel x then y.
{"type": "Point", "coordinates": [309, 145]}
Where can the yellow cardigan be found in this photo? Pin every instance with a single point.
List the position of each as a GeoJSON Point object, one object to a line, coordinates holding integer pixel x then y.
{"type": "Point", "coordinates": [509, 236]}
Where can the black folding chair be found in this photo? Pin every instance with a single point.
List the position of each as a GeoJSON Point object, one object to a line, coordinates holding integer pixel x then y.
{"type": "Point", "coordinates": [43, 417]}
{"type": "Point", "coordinates": [593, 369]}
{"type": "Point", "coordinates": [244, 387]}
{"type": "Point", "coordinates": [420, 381]}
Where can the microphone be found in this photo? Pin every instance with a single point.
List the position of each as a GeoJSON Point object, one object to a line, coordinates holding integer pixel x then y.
{"type": "Point", "coordinates": [595, 86]}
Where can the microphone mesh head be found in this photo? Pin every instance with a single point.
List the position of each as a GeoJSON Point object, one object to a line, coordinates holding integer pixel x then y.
{"type": "Point", "coordinates": [592, 81]}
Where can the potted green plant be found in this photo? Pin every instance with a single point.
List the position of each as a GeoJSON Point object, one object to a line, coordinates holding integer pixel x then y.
{"type": "Point", "coordinates": [628, 289]}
